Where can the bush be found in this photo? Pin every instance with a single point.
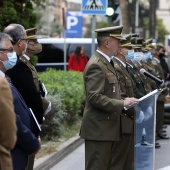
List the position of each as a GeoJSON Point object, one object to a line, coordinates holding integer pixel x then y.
{"type": "Point", "coordinates": [53, 124]}
{"type": "Point", "coordinates": [69, 85]}
{"type": "Point", "coordinates": [34, 60]}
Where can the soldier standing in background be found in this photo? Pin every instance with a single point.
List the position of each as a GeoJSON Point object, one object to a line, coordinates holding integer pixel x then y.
{"type": "Point", "coordinates": [161, 99]}
{"type": "Point", "coordinates": [33, 48]}
{"type": "Point", "coordinates": [128, 89]}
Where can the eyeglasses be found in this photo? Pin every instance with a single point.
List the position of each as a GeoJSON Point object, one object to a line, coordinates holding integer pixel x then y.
{"type": "Point", "coordinates": [11, 49]}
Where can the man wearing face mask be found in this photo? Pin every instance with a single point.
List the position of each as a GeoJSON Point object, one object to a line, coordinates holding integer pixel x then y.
{"type": "Point", "coordinates": [138, 55]}
{"type": "Point", "coordinates": [33, 47]}
{"type": "Point", "coordinates": [164, 63]}
{"type": "Point", "coordinates": [27, 143]}
{"type": "Point", "coordinates": [8, 129]}
{"type": "Point", "coordinates": [134, 72]}
{"type": "Point", "coordinates": [161, 99]}
{"type": "Point", "coordinates": [128, 89]}
{"type": "Point", "coordinates": [125, 53]}
{"type": "Point", "coordinates": [21, 75]}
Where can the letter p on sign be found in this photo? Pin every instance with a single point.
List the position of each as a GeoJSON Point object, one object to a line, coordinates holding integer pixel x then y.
{"type": "Point", "coordinates": [71, 21]}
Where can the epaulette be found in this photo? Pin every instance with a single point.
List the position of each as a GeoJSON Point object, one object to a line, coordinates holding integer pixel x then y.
{"type": "Point", "coordinates": [95, 60]}
{"type": "Point", "coordinates": [154, 62]}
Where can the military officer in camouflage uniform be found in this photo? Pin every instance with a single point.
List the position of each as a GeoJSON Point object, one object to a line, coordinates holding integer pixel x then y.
{"type": "Point", "coordinates": [101, 124]}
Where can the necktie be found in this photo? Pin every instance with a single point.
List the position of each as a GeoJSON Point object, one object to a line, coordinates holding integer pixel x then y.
{"type": "Point", "coordinates": [111, 62]}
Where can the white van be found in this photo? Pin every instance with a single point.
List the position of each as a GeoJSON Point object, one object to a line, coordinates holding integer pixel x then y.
{"type": "Point", "coordinates": [52, 54]}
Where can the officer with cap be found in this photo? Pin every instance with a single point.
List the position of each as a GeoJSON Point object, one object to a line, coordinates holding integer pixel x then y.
{"type": "Point", "coordinates": [33, 48]}
{"type": "Point", "coordinates": [137, 60]}
{"type": "Point", "coordinates": [135, 74]}
{"type": "Point", "coordinates": [135, 35]}
{"type": "Point", "coordinates": [128, 89]}
{"type": "Point", "coordinates": [101, 127]}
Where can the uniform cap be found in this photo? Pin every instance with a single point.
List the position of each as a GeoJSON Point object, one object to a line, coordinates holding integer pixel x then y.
{"type": "Point", "coordinates": [127, 41]}
{"type": "Point", "coordinates": [135, 34]}
{"type": "Point", "coordinates": [115, 32]}
{"type": "Point", "coordinates": [137, 41]}
{"type": "Point", "coordinates": [31, 34]}
{"type": "Point", "coordinates": [160, 45]}
{"type": "Point", "coordinates": [145, 45]}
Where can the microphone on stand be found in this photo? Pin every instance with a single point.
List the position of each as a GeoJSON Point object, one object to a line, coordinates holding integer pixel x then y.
{"type": "Point", "coordinates": [151, 76]}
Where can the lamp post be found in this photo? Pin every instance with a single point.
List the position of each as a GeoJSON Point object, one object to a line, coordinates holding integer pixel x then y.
{"type": "Point", "coordinates": [137, 16]}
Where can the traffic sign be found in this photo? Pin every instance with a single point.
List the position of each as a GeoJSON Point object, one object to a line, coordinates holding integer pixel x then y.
{"type": "Point", "coordinates": [94, 7]}
{"type": "Point", "coordinates": [74, 25]}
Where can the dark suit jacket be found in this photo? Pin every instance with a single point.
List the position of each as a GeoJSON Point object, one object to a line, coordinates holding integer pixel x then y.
{"type": "Point", "coordinates": [101, 118]}
{"type": "Point", "coordinates": [21, 77]}
{"type": "Point", "coordinates": [27, 143]}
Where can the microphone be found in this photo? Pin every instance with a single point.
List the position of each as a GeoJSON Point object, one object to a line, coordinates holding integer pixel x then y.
{"type": "Point", "coordinates": [156, 79]}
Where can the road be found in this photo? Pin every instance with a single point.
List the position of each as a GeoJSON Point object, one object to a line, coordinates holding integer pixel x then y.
{"type": "Point", "coordinates": [75, 160]}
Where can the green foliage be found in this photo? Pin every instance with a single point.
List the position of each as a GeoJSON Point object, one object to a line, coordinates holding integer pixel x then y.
{"type": "Point", "coordinates": [12, 11]}
{"type": "Point", "coordinates": [52, 127]}
{"type": "Point", "coordinates": [34, 60]}
{"type": "Point", "coordinates": [160, 28]}
{"type": "Point", "coordinates": [101, 24]}
{"type": "Point", "coordinates": [69, 85]}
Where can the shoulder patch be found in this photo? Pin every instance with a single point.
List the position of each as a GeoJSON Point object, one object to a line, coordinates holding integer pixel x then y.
{"type": "Point", "coordinates": [95, 60]}
{"type": "Point", "coordinates": [154, 62]}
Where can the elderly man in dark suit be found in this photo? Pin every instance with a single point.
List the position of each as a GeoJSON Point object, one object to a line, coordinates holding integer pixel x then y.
{"type": "Point", "coordinates": [101, 125]}
{"type": "Point", "coordinates": [20, 75]}
{"type": "Point", "coordinates": [27, 143]}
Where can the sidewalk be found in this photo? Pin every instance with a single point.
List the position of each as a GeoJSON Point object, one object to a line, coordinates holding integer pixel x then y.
{"type": "Point", "coordinates": [48, 161]}
{"type": "Point", "coordinates": [162, 155]}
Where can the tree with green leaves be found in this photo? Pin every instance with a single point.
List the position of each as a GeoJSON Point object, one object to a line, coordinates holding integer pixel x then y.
{"type": "Point", "coordinates": [160, 29]}
{"type": "Point", "coordinates": [18, 11]}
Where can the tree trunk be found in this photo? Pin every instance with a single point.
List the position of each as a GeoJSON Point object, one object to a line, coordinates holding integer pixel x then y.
{"type": "Point", "coordinates": [124, 12]}
{"type": "Point", "coordinates": [152, 18]}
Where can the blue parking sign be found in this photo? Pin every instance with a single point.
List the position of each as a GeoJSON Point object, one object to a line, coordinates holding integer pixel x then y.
{"type": "Point", "coordinates": [94, 7]}
{"type": "Point", "coordinates": [74, 25]}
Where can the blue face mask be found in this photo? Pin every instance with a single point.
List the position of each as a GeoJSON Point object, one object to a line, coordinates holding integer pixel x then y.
{"type": "Point", "coordinates": [130, 55]}
{"type": "Point", "coordinates": [136, 57]}
{"type": "Point", "coordinates": [146, 56]}
{"type": "Point", "coordinates": [12, 59]}
{"type": "Point", "coordinates": [150, 56]}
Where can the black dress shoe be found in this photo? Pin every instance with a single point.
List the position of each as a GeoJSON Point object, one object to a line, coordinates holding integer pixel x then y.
{"type": "Point", "coordinates": [164, 126]}
{"type": "Point", "coordinates": [160, 136]}
{"type": "Point", "coordinates": [163, 131]}
{"type": "Point", "coordinates": [157, 145]}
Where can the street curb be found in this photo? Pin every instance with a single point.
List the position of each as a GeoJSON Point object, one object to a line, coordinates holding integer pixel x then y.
{"type": "Point", "coordinates": [48, 161]}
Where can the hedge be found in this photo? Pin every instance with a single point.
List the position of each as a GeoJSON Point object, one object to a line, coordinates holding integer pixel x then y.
{"type": "Point", "coordinates": [66, 92]}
